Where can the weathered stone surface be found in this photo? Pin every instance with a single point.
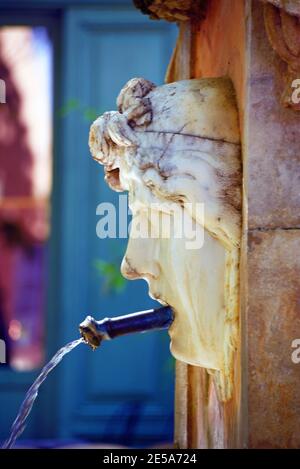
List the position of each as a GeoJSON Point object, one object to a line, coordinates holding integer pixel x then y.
{"type": "Point", "coordinates": [172, 10]}
{"type": "Point", "coordinates": [236, 45]}
{"type": "Point", "coordinates": [273, 322]}
{"type": "Point", "coordinates": [219, 46]}
{"type": "Point", "coordinates": [284, 35]}
{"type": "Point", "coordinates": [290, 6]}
{"type": "Point", "coordinates": [213, 48]}
{"type": "Point", "coordinates": [271, 137]}
{"type": "Point", "coordinates": [271, 133]}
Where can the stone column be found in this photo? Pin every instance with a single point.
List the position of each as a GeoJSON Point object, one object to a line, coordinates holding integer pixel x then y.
{"type": "Point", "coordinates": [257, 44]}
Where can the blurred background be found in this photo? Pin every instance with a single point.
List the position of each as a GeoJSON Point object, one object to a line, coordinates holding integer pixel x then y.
{"type": "Point", "coordinates": [64, 63]}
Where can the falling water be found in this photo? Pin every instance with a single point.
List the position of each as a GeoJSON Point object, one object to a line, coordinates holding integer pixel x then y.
{"type": "Point", "coordinates": [19, 424]}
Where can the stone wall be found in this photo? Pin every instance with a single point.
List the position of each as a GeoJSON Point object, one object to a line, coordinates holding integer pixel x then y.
{"type": "Point", "coordinates": [265, 410]}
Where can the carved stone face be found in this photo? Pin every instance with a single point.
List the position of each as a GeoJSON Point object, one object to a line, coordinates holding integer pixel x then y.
{"type": "Point", "coordinates": [184, 278]}
{"type": "Point", "coordinates": [179, 144]}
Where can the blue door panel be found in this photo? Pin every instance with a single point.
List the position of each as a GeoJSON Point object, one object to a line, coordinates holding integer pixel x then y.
{"type": "Point", "coordinates": [124, 388]}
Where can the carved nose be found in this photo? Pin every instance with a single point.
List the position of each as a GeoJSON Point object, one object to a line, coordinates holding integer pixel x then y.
{"type": "Point", "coordinates": [131, 272]}
{"type": "Point", "coordinates": [128, 271]}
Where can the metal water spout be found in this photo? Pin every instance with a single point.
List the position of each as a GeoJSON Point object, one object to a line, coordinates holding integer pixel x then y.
{"type": "Point", "coordinates": [94, 332]}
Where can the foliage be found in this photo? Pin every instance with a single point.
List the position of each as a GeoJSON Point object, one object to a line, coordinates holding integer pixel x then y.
{"type": "Point", "coordinates": [73, 105]}
{"type": "Point", "coordinates": [112, 278]}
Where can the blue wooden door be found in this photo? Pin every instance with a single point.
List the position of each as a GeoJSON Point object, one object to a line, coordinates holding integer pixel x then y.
{"type": "Point", "coordinates": [124, 391]}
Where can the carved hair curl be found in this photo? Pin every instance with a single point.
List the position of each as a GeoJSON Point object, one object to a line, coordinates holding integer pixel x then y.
{"type": "Point", "coordinates": [113, 131]}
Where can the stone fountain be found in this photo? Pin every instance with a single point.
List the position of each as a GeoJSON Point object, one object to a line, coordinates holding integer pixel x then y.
{"type": "Point", "coordinates": [176, 150]}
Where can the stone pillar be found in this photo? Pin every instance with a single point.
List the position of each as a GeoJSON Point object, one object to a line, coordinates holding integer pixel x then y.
{"type": "Point", "coordinates": [257, 44]}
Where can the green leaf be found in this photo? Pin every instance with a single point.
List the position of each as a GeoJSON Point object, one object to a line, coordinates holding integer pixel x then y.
{"type": "Point", "coordinates": [71, 105]}
{"type": "Point", "coordinates": [90, 114]}
{"type": "Point", "coordinates": [110, 273]}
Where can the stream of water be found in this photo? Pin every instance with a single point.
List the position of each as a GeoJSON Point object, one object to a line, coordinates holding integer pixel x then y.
{"type": "Point", "coordinates": [31, 395]}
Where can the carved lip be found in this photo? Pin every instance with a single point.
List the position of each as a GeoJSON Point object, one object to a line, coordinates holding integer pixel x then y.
{"type": "Point", "coordinates": [161, 300]}
{"type": "Point", "coordinates": [158, 297]}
